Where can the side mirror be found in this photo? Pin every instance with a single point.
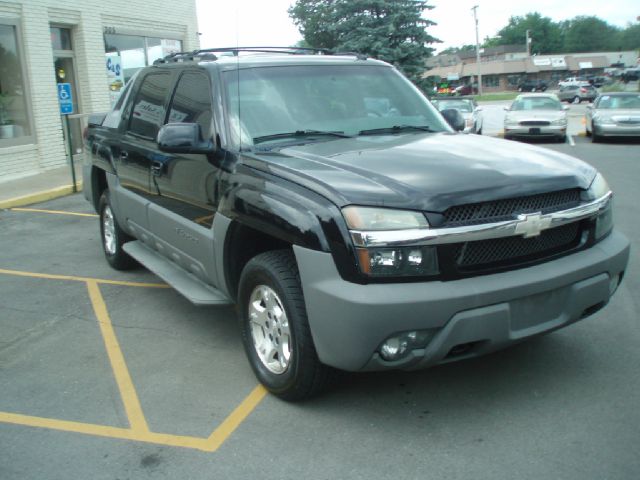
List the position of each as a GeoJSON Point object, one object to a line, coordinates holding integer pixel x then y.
{"type": "Point", "coordinates": [453, 118]}
{"type": "Point", "coordinates": [478, 109]}
{"type": "Point", "coordinates": [183, 138]}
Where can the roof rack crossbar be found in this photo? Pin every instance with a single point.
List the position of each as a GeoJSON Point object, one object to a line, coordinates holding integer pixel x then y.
{"type": "Point", "coordinates": [209, 53]}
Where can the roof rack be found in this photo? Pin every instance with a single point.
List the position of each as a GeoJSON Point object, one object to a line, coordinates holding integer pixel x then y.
{"type": "Point", "coordinates": [209, 53]}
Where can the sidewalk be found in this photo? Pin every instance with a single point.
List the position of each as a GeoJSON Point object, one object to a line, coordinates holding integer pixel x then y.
{"type": "Point", "coordinates": [40, 187]}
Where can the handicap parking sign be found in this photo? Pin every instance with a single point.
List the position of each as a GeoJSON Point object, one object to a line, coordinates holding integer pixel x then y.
{"type": "Point", "coordinates": [65, 98]}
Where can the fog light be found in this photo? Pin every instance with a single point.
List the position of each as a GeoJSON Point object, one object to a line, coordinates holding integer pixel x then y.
{"type": "Point", "coordinates": [399, 345]}
{"type": "Point", "coordinates": [614, 282]}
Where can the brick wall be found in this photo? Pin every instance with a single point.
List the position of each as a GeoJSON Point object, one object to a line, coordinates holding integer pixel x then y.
{"type": "Point", "coordinates": [87, 19]}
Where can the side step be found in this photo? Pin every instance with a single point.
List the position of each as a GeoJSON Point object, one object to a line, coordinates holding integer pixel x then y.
{"type": "Point", "coordinates": [196, 291]}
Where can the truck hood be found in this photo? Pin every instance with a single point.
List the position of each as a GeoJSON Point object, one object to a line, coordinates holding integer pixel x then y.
{"type": "Point", "coordinates": [429, 172]}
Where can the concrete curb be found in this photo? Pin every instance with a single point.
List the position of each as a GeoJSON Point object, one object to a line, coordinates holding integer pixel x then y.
{"type": "Point", "coordinates": [38, 197]}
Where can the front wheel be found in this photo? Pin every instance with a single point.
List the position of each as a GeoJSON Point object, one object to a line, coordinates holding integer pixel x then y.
{"type": "Point", "coordinates": [576, 99]}
{"type": "Point", "coordinates": [275, 330]}
{"type": "Point", "coordinates": [113, 237]}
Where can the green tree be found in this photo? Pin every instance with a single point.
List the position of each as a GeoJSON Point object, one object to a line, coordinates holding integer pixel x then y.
{"type": "Point", "coordinates": [590, 34]}
{"type": "Point", "coordinates": [391, 30]}
{"type": "Point", "coordinates": [629, 38]}
{"type": "Point", "coordinates": [546, 35]}
{"type": "Point", "coordinates": [463, 48]}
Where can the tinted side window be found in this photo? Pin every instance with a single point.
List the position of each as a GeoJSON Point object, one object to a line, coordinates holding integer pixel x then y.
{"type": "Point", "coordinates": [148, 107]}
{"type": "Point", "coordinates": [192, 102]}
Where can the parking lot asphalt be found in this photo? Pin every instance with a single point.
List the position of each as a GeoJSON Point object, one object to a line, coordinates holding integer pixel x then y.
{"type": "Point", "coordinates": [111, 375]}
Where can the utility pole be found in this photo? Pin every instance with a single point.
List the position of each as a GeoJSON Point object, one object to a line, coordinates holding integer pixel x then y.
{"type": "Point", "coordinates": [479, 76]}
{"type": "Point", "coordinates": [528, 44]}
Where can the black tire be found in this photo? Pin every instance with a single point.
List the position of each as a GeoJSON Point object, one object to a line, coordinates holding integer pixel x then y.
{"type": "Point", "coordinates": [587, 132]}
{"type": "Point", "coordinates": [303, 376]}
{"type": "Point", "coordinates": [576, 100]}
{"type": "Point", "coordinates": [479, 132]}
{"type": "Point", "coordinates": [595, 138]}
{"type": "Point", "coordinates": [117, 257]}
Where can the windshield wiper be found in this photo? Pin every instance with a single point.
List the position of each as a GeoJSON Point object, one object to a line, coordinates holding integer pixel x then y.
{"type": "Point", "coordinates": [396, 129]}
{"type": "Point", "coordinates": [299, 133]}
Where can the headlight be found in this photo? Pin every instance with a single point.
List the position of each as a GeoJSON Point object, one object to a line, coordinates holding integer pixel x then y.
{"type": "Point", "coordinates": [510, 120]}
{"type": "Point", "coordinates": [468, 122]}
{"type": "Point", "coordinates": [604, 221]}
{"type": "Point", "coordinates": [560, 121]}
{"type": "Point", "coordinates": [385, 259]}
{"type": "Point", "coordinates": [598, 188]}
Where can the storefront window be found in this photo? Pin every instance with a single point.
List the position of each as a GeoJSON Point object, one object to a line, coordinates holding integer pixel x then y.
{"type": "Point", "coordinates": [490, 80]}
{"type": "Point", "coordinates": [126, 54]}
{"type": "Point", "coordinates": [14, 116]}
{"type": "Point", "coordinates": [61, 38]}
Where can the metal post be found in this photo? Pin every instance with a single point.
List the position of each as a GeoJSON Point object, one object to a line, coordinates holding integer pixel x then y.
{"type": "Point", "coordinates": [475, 17]}
{"type": "Point", "coordinates": [528, 40]}
{"type": "Point", "coordinates": [70, 146]}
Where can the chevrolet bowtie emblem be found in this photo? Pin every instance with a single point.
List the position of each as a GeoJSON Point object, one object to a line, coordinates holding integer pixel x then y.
{"type": "Point", "coordinates": [531, 224]}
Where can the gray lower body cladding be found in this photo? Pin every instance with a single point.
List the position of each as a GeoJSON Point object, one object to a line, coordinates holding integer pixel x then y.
{"type": "Point", "coordinates": [471, 316]}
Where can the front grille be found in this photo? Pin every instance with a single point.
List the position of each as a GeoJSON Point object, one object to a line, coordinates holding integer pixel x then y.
{"type": "Point", "coordinates": [535, 123]}
{"type": "Point", "coordinates": [502, 210]}
{"type": "Point", "coordinates": [516, 250]}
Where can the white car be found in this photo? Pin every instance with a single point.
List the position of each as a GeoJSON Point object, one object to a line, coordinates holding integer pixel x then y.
{"type": "Point", "coordinates": [536, 115]}
{"type": "Point", "coordinates": [615, 115]}
{"type": "Point", "coordinates": [469, 109]}
{"type": "Point", "coordinates": [569, 81]}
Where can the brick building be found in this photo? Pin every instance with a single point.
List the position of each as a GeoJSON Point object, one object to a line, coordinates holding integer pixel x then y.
{"type": "Point", "coordinates": [93, 45]}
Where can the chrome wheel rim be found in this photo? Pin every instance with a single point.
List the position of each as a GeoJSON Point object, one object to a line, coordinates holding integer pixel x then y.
{"type": "Point", "coordinates": [108, 231]}
{"type": "Point", "coordinates": [269, 327]}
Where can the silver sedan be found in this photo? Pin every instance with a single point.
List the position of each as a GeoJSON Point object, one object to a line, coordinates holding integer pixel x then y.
{"type": "Point", "coordinates": [536, 115]}
{"type": "Point", "coordinates": [469, 109]}
{"type": "Point", "coordinates": [614, 114]}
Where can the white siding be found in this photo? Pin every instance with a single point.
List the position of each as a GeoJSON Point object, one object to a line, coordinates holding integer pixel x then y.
{"type": "Point", "coordinates": [87, 19]}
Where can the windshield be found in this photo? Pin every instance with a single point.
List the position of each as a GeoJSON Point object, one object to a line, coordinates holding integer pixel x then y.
{"type": "Point", "coordinates": [536, 103]}
{"type": "Point", "coordinates": [461, 105]}
{"type": "Point", "coordinates": [619, 101]}
{"type": "Point", "coordinates": [267, 101]}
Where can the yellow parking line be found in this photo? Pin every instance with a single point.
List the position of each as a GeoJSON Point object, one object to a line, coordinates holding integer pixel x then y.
{"type": "Point", "coordinates": [54, 212]}
{"type": "Point", "coordinates": [72, 278]}
{"type": "Point", "coordinates": [210, 444]}
{"type": "Point", "coordinates": [139, 430]}
{"type": "Point", "coordinates": [119, 366]}
{"type": "Point", "coordinates": [236, 417]}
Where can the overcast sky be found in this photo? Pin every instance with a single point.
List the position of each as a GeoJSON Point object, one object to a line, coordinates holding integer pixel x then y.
{"type": "Point", "coordinates": [267, 23]}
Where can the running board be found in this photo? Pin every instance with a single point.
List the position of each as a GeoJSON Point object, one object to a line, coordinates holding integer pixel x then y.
{"type": "Point", "coordinates": [195, 290]}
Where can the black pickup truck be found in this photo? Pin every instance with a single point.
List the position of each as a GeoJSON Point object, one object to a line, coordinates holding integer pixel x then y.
{"type": "Point", "coordinates": [353, 227]}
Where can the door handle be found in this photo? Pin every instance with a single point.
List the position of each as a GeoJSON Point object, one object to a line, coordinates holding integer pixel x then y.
{"type": "Point", "coordinates": [156, 168]}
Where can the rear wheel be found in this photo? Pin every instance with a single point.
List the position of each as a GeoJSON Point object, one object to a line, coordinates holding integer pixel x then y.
{"type": "Point", "coordinates": [576, 99]}
{"type": "Point", "coordinates": [275, 330]}
{"type": "Point", "coordinates": [113, 237]}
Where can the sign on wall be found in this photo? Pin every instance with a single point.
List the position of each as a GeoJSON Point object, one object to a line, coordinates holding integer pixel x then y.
{"type": "Point", "coordinates": [65, 98]}
{"type": "Point", "coordinates": [115, 76]}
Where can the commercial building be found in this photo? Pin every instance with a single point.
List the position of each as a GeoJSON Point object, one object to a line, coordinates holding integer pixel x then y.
{"type": "Point", "coordinates": [503, 68]}
{"type": "Point", "coordinates": [91, 45]}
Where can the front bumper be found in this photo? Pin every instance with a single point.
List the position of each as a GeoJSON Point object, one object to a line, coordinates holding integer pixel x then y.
{"type": "Point", "coordinates": [349, 321]}
{"type": "Point", "coordinates": [613, 130]}
{"type": "Point", "coordinates": [522, 131]}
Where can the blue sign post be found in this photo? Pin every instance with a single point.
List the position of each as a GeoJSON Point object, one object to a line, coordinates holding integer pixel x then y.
{"type": "Point", "coordinates": [65, 99]}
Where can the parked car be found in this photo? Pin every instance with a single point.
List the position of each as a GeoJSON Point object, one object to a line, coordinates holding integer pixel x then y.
{"type": "Point", "coordinates": [630, 74]}
{"type": "Point", "coordinates": [536, 115]}
{"type": "Point", "coordinates": [577, 93]}
{"type": "Point", "coordinates": [469, 109]}
{"type": "Point", "coordinates": [532, 86]}
{"type": "Point", "coordinates": [465, 90]}
{"type": "Point", "coordinates": [613, 114]}
{"type": "Point", "coordinates": [352, 226]}
{"type": "Point", "coordinates": [599, 81]}
{"type": "Point", "coordinates": [573, 81]}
